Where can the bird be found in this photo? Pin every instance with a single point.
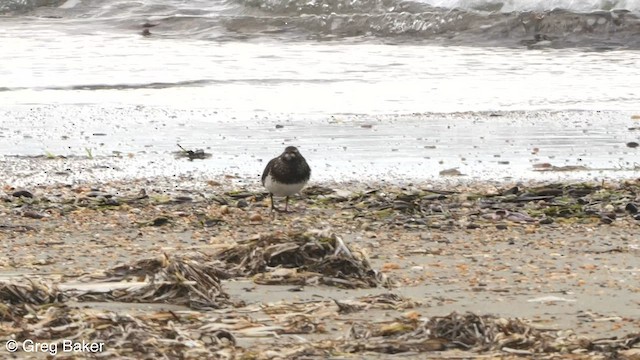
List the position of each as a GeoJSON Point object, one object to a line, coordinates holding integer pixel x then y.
{"type": "Point", "coordinates": [286, 175]}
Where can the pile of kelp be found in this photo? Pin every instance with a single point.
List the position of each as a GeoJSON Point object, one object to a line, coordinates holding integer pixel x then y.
{"type": "Point", "coordinates": [283, 258]}
{"type": "Point", "coordinates": [32, 309]}
{"type": "Point", "coordinates": [414, 206]}
{"type": "Point", "coordinates": [301, 258]}
{"type": "Point", "coordinates": [475, 207]}
{"type": "Point", "coordinates": [471, 332]}
{"type": "Point", "coordinates": [39, 312]}
{"type": "Point", "coordinates": [192, 282]}
{"type": "Point", "coordinates": [475, 334]}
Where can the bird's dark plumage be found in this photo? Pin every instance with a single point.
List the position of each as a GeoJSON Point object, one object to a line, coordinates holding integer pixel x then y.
{"type": "Point", "coordinates": [286, 174]}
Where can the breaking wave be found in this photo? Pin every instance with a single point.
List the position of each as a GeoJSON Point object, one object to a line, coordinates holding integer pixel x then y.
{"type": "Point", "coordinates": [555, 23]}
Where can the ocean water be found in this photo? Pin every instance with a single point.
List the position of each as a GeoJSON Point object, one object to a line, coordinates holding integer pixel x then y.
{"type": "Point", "coordinates": [381, 89]}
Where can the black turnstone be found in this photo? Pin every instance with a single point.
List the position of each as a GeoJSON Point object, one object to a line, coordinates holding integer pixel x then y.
{"type": "Point", "coordinates": [286, 175]}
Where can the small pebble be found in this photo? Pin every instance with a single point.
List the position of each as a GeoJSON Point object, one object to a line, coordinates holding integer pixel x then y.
{"type": "Point", "coordinates": [32, 215]}
{"type": "Point", "coordinates": [98, 193]}
{"type": "Point", "coordinates": [242, 203]}
{"type": "Point", "coordinates": [160, 221]}
{"type": "Point", "coordinates": [111, 202]}
{"type": "Point", "coordinates": [255, 217]}
{"type": "Point", "coordinates": [631, 208]}
{"type": "Point", "coordinates": [546, 221]}
{"type": "Point", "coordinates": [606, 220]}
{"type": "Point", "coordinates": [22, 193]}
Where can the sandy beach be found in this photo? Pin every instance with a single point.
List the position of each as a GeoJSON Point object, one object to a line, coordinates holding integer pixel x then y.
{"type": "Point", "coordinates": [561, 259]}
{"type": "Point", "coordinates": [474, 185]}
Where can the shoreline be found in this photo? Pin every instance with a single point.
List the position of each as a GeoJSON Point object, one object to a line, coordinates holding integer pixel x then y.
{"type": "Point", "coordinates": [120, 143]}
{"type": "Point", "coordinates": [556, 256]}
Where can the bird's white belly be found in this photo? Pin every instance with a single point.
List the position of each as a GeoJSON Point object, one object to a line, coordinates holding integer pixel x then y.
{"type": "Point", "coordinates": [280, 189]}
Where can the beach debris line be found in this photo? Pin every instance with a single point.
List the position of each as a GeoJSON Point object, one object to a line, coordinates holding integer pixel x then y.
{"type": "Point", "coordinates": [29, 291]}
{"type": "Point", "coordinates": [386, 301]}
{"type": "Point", "coordinates": [189, 281]}
{"type": "Point", "coordinates": [198, 154]}
{"type": "Point", "coordinates": [474, 333]}
{"type": "Point", "coordinates": [302, 257]}
{"type": "Point", "coordinates": [161, 335]}
{"type": "Point", "coordinates": [19, 297]}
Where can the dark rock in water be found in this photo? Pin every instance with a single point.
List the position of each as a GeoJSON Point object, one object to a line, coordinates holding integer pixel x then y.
{"type": "Point", "coordinates": [541, 37]}
{"type": "Point", "coordinates": [632, 144]}
{"type": "Point", "coordinates": [242, 203]}
{"type": "Point", "coordinates": [501, 226]}
{"type": "Point", "coordinates": [631, 208]}
{"type": "Point", "coordinates": [278, 126]}
{"type": "Point", "coordinates": [637, 217]}
{"type": "Point", "coordinates": [546, 221]}
{"type": "Point", "coordinates": [473, 226]}
{"type": "Point", "coordinates": [22, 193]}
{"type": "Point", "coordinates": [182, 199]}
{"type": "Point", "coordinates": [146, 32]}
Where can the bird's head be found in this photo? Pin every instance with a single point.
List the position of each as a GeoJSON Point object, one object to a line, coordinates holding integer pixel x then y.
{"type": "Point", "coordinates": [290, 153]}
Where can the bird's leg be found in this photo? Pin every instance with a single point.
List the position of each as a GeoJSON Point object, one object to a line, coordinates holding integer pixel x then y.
{"type": "Point", "coordinates": [286, 204]}
{"type": "Point", "coordinates": [272, 206]}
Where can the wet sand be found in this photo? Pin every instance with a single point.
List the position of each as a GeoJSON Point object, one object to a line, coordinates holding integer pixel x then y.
{"type": "Point", "coordinates": [108, 143]}
{"type": "Point", "coordinates": [566, 261]}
